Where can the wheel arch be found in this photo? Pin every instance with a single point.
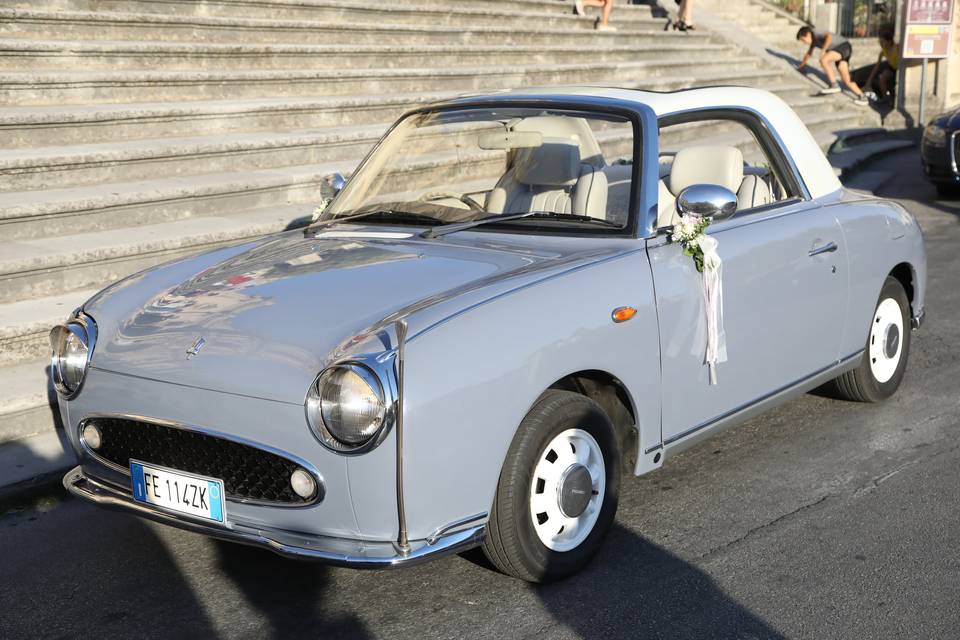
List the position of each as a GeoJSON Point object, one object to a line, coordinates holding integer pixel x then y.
{"type": "Point", "coordinates": [906, 275]}
{"type": "Point", "coordinates": [613, 397]}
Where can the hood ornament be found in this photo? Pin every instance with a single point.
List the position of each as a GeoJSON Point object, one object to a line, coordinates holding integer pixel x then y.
{"type": "Point", "coordinates": [197, 346]}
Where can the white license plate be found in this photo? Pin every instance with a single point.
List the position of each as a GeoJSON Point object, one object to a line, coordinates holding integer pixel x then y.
{"type": "Point", "coordinates": [178, 491]}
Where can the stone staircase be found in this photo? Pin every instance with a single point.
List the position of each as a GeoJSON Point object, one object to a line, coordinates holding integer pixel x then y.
{"type": "Point", "coordinates": [778, 28]}
{"type": "Point", "coordinates": [136, 131]}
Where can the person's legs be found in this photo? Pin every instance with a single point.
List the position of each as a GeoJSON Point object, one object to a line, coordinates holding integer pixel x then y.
{"type": "Point", "coordinates": [844, 69]}
{"type": "Point", "coordinates": [607, 9]}
{"type": "Point", "coordinates": [685, 14]}
{"type": "Point", "coordinates": [885, 80]}
{"type": "Point", "coordinates": [827, 60]}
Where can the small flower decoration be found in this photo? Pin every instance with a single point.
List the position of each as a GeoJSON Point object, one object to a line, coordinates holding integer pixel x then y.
{"type": "Point", "coordinates": [690, 232]}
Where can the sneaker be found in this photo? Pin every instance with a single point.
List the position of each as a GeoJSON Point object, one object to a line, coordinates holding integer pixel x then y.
{"type": "Point", "coordinates": [862, 101]}
{"type": "Point", "coordinates": [578, 8]}
{"type": "Point", "coordinates": [829, 91]}
{"type": "Point", "coordinates": [605, 27]}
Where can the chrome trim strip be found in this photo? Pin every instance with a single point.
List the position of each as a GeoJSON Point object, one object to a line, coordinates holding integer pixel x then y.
{"type": "Point", "coordinates": [403, 543]}
{"type": "Point", "coordinates": [954, 141]}
{"type": "Point", "coordinates": [456, 524]}
{"type": "Point", "coordinates": [744, 407]}
{"type": "Point", "coordinates": [917, 321]}
{"type": "Point", "coordinates": [655, 447]}
{"type": "Point", "coordinates": [344, 552]}
{"type": "Point", "coordinates": [318, 478]}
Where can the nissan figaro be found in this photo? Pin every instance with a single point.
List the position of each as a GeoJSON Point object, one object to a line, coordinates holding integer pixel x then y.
{"type": "Point", "coordinates": [490, 323]}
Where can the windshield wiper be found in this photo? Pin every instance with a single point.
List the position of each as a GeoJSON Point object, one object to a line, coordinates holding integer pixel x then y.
{"type": "Point", "coordinates": [391, 214]}
{"type": "Point", "coordinates": [436, 232]}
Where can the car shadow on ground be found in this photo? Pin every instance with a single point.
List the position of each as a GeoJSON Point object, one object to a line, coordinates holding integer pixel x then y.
{"type": "Point", "coordinates": [288, 594]}
{"type": "Point", "coordinates": [636, 589]}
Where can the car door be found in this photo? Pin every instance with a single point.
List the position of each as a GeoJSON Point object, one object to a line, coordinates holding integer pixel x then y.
{"type": "Point", "coordinates": [784, 300]}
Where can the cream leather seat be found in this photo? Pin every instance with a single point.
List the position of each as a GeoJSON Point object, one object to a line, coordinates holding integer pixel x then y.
{"type": "Point", "coordinates": [563, 175]}
{"type": "Point", "coordinates": [708, 165]}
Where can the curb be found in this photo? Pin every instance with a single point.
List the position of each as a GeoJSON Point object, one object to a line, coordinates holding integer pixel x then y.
{"type": "Point", "coordinates": [33, 462]}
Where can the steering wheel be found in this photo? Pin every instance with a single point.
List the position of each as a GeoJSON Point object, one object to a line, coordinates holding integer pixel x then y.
{"type": "Point", "coordinates": [462, 197]}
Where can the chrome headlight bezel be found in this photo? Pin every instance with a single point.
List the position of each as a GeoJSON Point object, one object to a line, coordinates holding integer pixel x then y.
{"type": "Point", "coordinates": [83, 329]}
{"type": "Point", "coordinates": [378, 373]}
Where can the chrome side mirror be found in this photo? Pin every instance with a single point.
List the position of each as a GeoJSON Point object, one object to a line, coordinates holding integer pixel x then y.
{"type": "Point", "coordinates": [336, 182]}
{"type": "Point", "coordinates": [707, 201]}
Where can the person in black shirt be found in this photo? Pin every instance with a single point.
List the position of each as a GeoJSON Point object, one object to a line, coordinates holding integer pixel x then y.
{"type": "Point", "coordinates": [835, 50]}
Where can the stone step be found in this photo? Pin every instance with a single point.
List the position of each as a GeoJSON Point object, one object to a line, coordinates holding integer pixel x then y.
{"type": "Point", "coordinates": [135, 160]}
{"type": "Point", "coordinates": [25, 88]}
{"type": "Point", "coordinates": [52, 167]}
{"type": "Point", "coordinates": [56, 125]}
{"type": "Point", "coordinates": [117, 206]}
{"type": "Point", "coordinates": [102, 25]}
{"type": "Point", "coordinates": [164, 6]}
{"type": "Point", "coordinates": [25, 325]}
{"type": "Point", "coordinates": [17, 54]}
{"type": "Point", "coordinates": [47, 266]}
{"type": "Point", "coordinates": [25, 406]}
{"type": "Point", "coordinates": [460, 14]}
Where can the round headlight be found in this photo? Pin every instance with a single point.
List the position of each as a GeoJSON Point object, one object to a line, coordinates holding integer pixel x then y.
{"type": "Point", "coordinates": [349, 403]}
{"type": "Point", "coordinates": [71, 353]}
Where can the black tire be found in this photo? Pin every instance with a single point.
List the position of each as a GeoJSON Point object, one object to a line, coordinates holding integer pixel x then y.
{"type": "Point", "coordinates": [512, 544]}
{"type": "Point", "coordinates": [860, 384]}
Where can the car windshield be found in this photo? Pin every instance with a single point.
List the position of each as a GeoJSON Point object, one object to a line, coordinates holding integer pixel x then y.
{"type": "Point", "coordinates": [567, 169]}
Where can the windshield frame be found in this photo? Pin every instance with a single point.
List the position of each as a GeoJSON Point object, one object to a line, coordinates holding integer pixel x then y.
{"type": "Point", "coordinates": [639, 115]}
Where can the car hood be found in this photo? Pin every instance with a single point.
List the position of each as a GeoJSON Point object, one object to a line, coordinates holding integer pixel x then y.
{"type": "Point", "coordinates": [271, 313]}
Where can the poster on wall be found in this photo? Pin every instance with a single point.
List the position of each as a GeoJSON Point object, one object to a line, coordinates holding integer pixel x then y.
{"type": "Point", "coordinates": [927, 33]}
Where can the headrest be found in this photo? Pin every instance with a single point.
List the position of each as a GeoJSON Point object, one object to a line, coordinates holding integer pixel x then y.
{"type": "Point", "coordinates": [565, 128]}
{"type": "Point", "coordinates": [555, 163]}
{"type": "Point", "coordinates": [706, 165]}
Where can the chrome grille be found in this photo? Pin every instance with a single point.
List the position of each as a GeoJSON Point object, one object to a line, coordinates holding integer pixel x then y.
{"type": "Point", "coordinates": [248, 473]}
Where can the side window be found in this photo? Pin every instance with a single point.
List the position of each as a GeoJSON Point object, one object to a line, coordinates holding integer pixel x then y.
{"type": "Point", "coordinates": [717, 151]}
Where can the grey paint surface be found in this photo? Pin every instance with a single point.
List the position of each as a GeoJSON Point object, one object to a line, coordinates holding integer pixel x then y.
{"type": "Point", "coordinates": [495, 319]}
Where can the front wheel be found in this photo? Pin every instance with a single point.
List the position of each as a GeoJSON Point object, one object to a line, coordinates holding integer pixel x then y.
{"type": "Point", "coordinates": [558, 490]}
{"type": "Point", "coordinates": [888, 346]}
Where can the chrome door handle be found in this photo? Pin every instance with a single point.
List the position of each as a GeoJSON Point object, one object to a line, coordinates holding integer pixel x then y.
{"type": "Point", "coordinates": [830, 247]}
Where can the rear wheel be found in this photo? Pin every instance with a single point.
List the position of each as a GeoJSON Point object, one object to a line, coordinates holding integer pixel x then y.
{"type": "Point", "coordinates": [558, 490]}
{"type": "Point", "coordinates": [888, 346]}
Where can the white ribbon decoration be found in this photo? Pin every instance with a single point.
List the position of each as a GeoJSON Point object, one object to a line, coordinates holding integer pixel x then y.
{"type": "Point", "coordinates": [713, 304]}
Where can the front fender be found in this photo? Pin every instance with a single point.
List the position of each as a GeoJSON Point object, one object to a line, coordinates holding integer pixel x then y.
{"type": "Point", "coordinates": [470, 379]}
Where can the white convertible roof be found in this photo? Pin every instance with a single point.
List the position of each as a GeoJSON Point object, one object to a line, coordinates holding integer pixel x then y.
{"type": "Point", "coordinates": [813, 166]}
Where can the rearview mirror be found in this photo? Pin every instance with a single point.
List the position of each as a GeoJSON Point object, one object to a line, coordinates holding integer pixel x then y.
{"type": "Point", "coordinates": [707, 201]}
{"type": "Point", "coordinates": [336, 182]}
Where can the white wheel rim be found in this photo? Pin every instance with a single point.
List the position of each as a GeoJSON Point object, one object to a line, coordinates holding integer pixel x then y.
{"type": "Point", "coordinates": [567, 455]}
{"type": "Point", "coordinates": [886, 340]}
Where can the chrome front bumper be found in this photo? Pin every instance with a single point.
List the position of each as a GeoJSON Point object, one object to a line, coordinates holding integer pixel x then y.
{"type": "Point", "coordinates": [342, 552]}
{"type": "Point", "coordinates": [917, 321]}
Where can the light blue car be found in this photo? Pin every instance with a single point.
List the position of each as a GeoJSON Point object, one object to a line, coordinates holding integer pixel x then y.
{"type": "Point", "coordinates": [490, 324]}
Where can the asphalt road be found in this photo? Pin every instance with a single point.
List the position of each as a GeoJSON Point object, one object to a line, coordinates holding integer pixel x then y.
{"type": "Point", "coordinates": [822, 519]}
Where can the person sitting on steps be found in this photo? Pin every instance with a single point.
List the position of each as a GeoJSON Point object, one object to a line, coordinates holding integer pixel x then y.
{"type": "Point", "coordinates": [835, 50]}
{"type": "Point", "coordinates": [606, 6]}
{"type": "Point", "coordinates": [885, 70]}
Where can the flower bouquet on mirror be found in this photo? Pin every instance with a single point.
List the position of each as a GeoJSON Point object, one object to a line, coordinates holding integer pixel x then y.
{"type": "Point", "coordinates": [690, 232]}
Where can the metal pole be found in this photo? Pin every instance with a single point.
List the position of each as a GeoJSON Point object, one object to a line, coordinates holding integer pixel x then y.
{"type": "Point", "coordinates": [921, 122]}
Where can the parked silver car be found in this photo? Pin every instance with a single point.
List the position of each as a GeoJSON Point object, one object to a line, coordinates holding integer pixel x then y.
{"type": "Point", "coordinates": [488, 325]}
